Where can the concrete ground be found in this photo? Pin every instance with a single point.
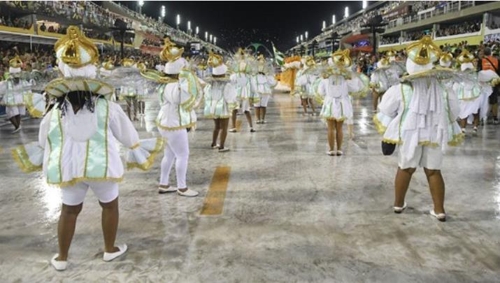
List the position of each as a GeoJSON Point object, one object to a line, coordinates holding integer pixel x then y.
{"type": "Point", "coordinates": [290, 213]}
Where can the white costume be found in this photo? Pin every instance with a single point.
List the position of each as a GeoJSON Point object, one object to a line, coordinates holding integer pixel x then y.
{"type": "Point", "coordinates": [334, 90]}
{"type": "Point", "coordinates": [262, 81]}
{"type": "Point", "coordinates": [241, 68]}
{"type": "Point", "coordinates": [305, 79]}
{"type": "Point", "coordinates": [13, 94]}
{"type": "Point", "coordinates": [419, 114]}
{"type": "Point", "coordinates": [178, 99]}
{"type": "Point", "coordinates": [219, 94]}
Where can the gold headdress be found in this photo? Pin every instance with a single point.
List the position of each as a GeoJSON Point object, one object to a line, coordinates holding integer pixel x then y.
{"type": "Point", "coordinates": [170, 52]}
{"type": "Point", "coordinates": [142, 67]}
{"type": "Point", "coordinates": [391, 53]}
{"type": "Point", "coordinates": [127, 62]}
{"type": "Point", "coordinates": [16, 62]}
{"type": "Point", "coordinates": [309, 61]}
{"type": "Point", "coordinates": [261, 58]}
{"type": "Point", "coordinates": [423, 51]}
{"type": "Point", "coordinates": [465, 57]}
{"type": "Point", "coordinates": [75, 49]}
{"type": "Point", "coordinates": [446, 57]}
{"type": "Point", "coordinates": [108, 65]}
{"type": "Point", "coordinates": [342, 58]}
{"type": "Point", "coordinates": [214, 60]}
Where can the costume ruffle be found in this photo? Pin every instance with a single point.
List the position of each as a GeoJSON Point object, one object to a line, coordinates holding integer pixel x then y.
{"type": "Point", "coordinates": [143, 154]}
{"type": "Point", "coordinates": [29, 157]}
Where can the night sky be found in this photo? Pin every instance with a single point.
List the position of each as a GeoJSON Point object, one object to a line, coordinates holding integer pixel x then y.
{"type": "Point", "coordinates": [239, 23]}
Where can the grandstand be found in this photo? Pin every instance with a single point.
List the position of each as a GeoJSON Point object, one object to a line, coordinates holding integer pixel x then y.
{"type": "Point", "coordinates": [43, 22]}
{"type": "Point", "coordinates": [448, 22]}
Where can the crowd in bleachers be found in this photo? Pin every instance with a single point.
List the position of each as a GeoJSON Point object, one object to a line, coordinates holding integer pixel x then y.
{"type": "Point", "coordinates": [459, 28]}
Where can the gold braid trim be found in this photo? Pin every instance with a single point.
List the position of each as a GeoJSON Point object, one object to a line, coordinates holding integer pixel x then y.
{"type": "Point", "coordinates": [392, 141]}
{"type": "Point", "coordinates": [160, 142]}
{"type": "Point", "coordinates": [20, 156]}
{"type": "Point", "coordinates": [190, 125]}
{"type": "Point", "coordinates": [74, 181]}
{"type": "Point", "coordinates": [456, 140]}
{"type": "Point", "coordinates": [378, 125]}
{"type": "Point", "coordinates": [135, 146]}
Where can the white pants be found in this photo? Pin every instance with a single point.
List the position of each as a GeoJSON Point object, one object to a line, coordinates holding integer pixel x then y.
{"type": "Point", "coordinates": [74, 195]}
{"type": "Point", "coordinates": [425, 156]}
{"type": "Point", "coordinates": [13, 111]}
{"type": "Point", "coordinates": [264, 100]}
{"type": "Point", "coordinates": [177, 149]}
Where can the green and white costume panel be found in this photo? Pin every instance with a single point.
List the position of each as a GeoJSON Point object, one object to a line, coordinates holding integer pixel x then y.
{"type": "Point", "coordinates": [220, 99]}
{"type": "Point", "coordinates": [82, 146]}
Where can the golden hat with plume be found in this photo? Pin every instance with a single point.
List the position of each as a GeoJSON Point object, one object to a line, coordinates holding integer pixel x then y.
{"type": "Point", "coordinates": [16, 62]}
{"type": "Point", "coordinates": [214, 60]}
{"type": "Point", "coordinates": [108, 65]}
{"type": "Point", "coordinates": [170, 52]}
{"type": "Point", "coordinates": [75, 49]}
{"type": "Point", "coordinates": [309, 61]}
{"type": "Point", "coordinates": [465, 57]}
{"type": "Point", "coordinates": [424, 51]}
{"type": "Point", "coordinates": [446, 57]}
{"type": "Point", "coordinates": [141, 66]}
{"type": "Point", "coordinates": [391, 53]}
{"type": "Point", "coordinates": [261, 58]}
{"type": "Point", "coordinates": [342, 58]}
{"type": "Point", "coordinates": [383, 62]}
{"type": "Point", "coordinates": [127, 62]}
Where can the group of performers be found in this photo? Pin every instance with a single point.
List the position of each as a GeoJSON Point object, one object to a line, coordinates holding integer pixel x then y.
{"type": "Point", "coordinates": [419, 109]}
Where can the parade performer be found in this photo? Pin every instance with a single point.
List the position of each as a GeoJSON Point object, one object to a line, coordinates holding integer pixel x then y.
{"type": "Point", "coordinates": [14, 90]}
{"type": "Point", "coordinates": [304, 83]}
{"type": "Point", "coordinates": [419, 115]}
{"type": "Point", "coordinates": [333, 91]}
{"type": "Point", "coordinates": [77, 147]}
{"type": "Point", "coordinates": [384, 76]}
{"type": "Point", "coordinates": [179, 93]}
{"type": "Point", "coordinates": [220, 100]}
{"type": "Point", "coordinates": [241, 69]}
{"type": "Point", "coordinates": [262, 83]}
{"type": "Point", "coordinates": [468, 91]}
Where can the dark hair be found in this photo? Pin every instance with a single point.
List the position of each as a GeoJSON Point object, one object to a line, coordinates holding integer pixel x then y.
{"type": "Point", "coordinates": [79, 99]}
{"type": "Point", "coordinates": [487, 51]}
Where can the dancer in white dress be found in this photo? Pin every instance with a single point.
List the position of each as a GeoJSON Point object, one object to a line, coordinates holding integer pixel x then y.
{"type": "Point", "coordinates": [304, 81]}
{"type": "Point", "coordinates": [262, 83]}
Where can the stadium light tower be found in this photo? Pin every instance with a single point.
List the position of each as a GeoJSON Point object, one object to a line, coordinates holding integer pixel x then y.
{"type": "Point", "coordinates": [178, 20]}
{"type": "Point", "coordinates": [301, 38]}
{"type": "Point", "coordinates": [307, 35]}
{"type": "Point", "coordinates": [298, 41]}
{"type": "Point", "coordinates": [197, 30]}
{"type": "Point", "coordinates": [211, 38]}
{"type": "Point", "coordinates": [215, 40]}
{"type": "Point", "coordinates": [163, 12]}
{"type": "Point", "coordinates": [324, 24]}
{"type": "Point", "coordinates": [141, 3]}
{"type": "Point", "coordinates": [333, 19]}
{"type": "Point", "coordinates": [189, 26]}
{"type": "Point", "coordinates": [346, 12]}
{"type": "Point", "coordinates": [365, 4]}
{"type": "Point", "coordinates": [206, 36]}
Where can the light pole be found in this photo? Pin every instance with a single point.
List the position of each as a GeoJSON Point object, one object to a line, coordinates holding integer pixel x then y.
{"type": "Point", "coordinates": [346, 12]}
{"type": "Point", "coordinates": [197, 31]}
{"type": "Point", "coordinates": [215, 40]}
{"type": "Point", "coordinates": [333, 19]}
{"type": "Point", "coordinates": [210, 38]}
{"type": "Point", "coordinates": [178, 20]}
{"type": "Point", "coordinates": [189, 27]}
{"type": "Point", "coordinates": [365, 4]}
{"type": "Point", "coordinates": [324, 25]}
{"type": "Point", "coordinates": [307, 35]}
{"type": "Point", "coordinates": [206, 36]}
{"type": "Point", "coordinates": [298, 41]}
{"type": "Point", "coordinates": [163, 13]}
{"type": "Point", "coordinates": [301, 38]}
{"type": "Point", "coordinates": [141, 3]}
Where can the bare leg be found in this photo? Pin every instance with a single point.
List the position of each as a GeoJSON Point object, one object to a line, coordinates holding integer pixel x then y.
{"type": "Point", "coordinates": [110, 215]}
{"type": "Point", "coordinates": [304, 105]}
{"type": "Point", "coordinates": [311, 103]}
{"type": "Point", "coordinates": [224, 123]}
{"type": "Point", "coordinates": [216, 132]}
{"type": "Point", "coordinates": [129, 110]}
{"type": "Point", "coordinates": [331, 131]}
{"type": "Point", "coordinates": [494, 110]}
{"type": "Point", "coordinates": [18, 120]}
{"type": "Point", "coordinates": [249, 118]}
{"type": "Point", "coordinates": [66, 229]}
{"type": "Point", "coordinates": [257, 114]}
{"type": "Point", "coordinates": [233, 118]}
{"type": "Point", "coordinates": [340, 134]}
{"type": "Point", "coordinates": [463, 123]}
{"type": "Point", "coordinates": [402, 182]}
{"type": "Point", "coordinates": [375, 100]}
{"type": "Point", "coordinates": [436, 186]}
{"type": "Point", "coordinates": [476, 120]}
{"type": "Point", "coordinates": [263, 111]}
{"type": "Point", "coordinates": [13, 121]}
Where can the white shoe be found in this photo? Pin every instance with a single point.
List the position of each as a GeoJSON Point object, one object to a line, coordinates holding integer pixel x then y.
{"type": "Point", "coordinates": [399, 209]}
{"type": "Point", "coordinates": [169, 189]}
{"type": "Point", "coordinates": [233, 130]}
{"type": "Point", "coordinates": [111, 256]}
{"type": "Point", "coordinates": [331, 153]}
{"type": "Point", "coordinates": [215, 146]}
{"type": "Point", "coordinates": [340, 153]}
{"type": "Point", "coordinates": [16, 130]}
{"type": "Point", "coordinates": [187, 193]}
{"type": "Point", "coordinates": [58, 265]}
{"type": "Point", "coordinates": [440, 216]}
{"type": "Point", "coordinates": [223, 149]}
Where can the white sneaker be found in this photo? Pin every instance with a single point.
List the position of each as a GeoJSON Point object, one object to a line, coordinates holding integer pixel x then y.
{"type": "Point", "coordinates": [111, 256]}
{"type": "Point", "coordinates": [331, 153]}
{"type": "Point", "coordinates": [187, 193]}
{"type": "Point", "coordinates": [169, 189]}
{"type": "Point", "coordinates": [58, 265]}
{"type": "Point", "coordinates": [16, 130]}
{"type": "Point", "coordinates": [440, 216]}
{"type": "Point", "coordinates": [233, 130]}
